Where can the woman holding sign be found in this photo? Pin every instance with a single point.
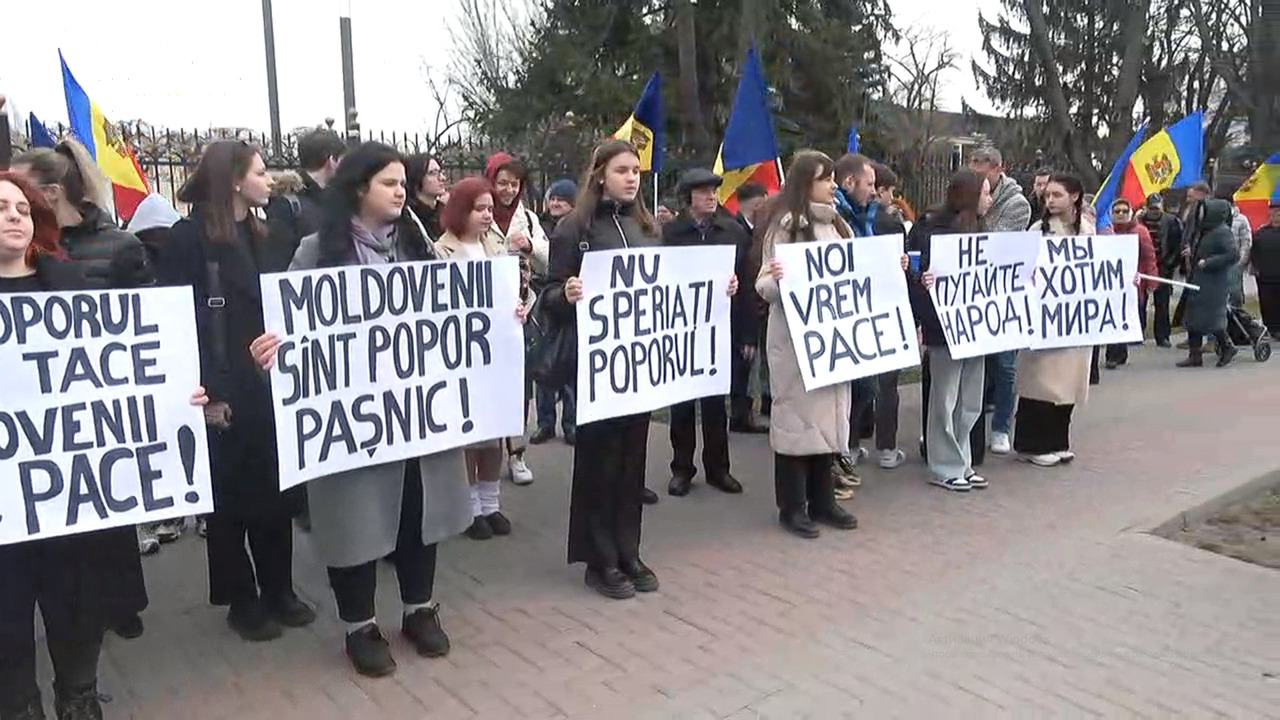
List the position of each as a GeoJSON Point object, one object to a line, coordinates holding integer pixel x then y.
{"type": "Point", "coordinates": [1052, 382]}
{"type": "Point", "coordinates": [467, 220]}
{"type": "Point", "coordinates": [807, 430]}
{"type": "Point", "coordinates": [609, 457]}
{"type": "Point", "coordinates": [397, 509]}
{"type": "Point", "coordinates": [75, 580]}
{"type": "Point", "coordinates": [956, 399]}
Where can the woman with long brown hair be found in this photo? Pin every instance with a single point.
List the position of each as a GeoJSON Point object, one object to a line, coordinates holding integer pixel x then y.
{"type": "Point", "coordinates": [609, 458]}
{"type": "Point", "coordinates": [955, 400]}
{"type": "Point", "coordinates": [221, 250]}
{"type": "Point", "coordinates": [807, 430]}
{"type": "Point", "coordinates": [75, 580]}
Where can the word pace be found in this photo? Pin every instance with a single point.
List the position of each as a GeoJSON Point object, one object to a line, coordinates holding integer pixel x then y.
{"type": "Point", "coordinates": [669, 325]}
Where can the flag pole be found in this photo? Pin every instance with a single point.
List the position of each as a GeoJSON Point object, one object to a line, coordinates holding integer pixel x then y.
{"type": "Point", "coordinates": [655, 193]}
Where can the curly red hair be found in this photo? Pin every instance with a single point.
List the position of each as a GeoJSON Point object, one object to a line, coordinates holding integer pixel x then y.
{"type": "Point", "coordinates": [455, 216]}
{"type": "Point", "coordinates": [47, 236]}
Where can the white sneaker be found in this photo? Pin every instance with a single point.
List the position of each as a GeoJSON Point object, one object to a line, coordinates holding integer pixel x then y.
{"type": "Point", "coordinates": [890, 459]}
{"type": "Point", "coordinates": [858, 454]}
{"type": "Point", "coordinates": [1000, 444]}
{"type": "Point", "coordinates": [520, 472]}
{"type": "Point", "coordinates": [1046, 460]}
{"type": "Point", "coordinates": [148, 543]}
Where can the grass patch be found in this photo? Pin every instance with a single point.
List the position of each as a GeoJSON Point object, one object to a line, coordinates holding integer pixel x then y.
{"type": "Point", "coordinates": [1248, 530]}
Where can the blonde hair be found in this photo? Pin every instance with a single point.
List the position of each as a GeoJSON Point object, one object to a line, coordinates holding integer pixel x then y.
{"type": "Point", "coordinates": [69, 166]}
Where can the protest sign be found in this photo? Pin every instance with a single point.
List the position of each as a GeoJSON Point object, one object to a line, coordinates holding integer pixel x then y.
{"type": "Point", "coordinates": [980, 290]}
{"type": "Point", "coordinates": [847, 308]}
{"type": "Point", "coordinates": [1084, 291]}
{"type": "Point", "coordinates": [97, 429]}
{"type": "Point", "coordinates": [389, 362]}
{"type": "Point", "coordinates": [653, 329]}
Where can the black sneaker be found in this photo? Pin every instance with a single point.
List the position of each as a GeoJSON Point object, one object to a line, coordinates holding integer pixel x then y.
{"type": "Point", "coordinates": [130, 629]}
{"type": "Point", "coordinates": [610, 582]}
{"type": "Point", "coordinates": [291, 612]}
{"type": "Point", "coordinates": [480, 529]}
{"type": "Point", "coordinates": [422, 627]}
{"type": "Point", "coordinates": [369, 652]}
{"type": "Point", "coordinates": [253, 623]}
{"type": "Point", "coordinates": [644, 579]}
{"type": "Point", "coordinates": [542, 436]}
{"type": "Point", "coordinates": [1226, 355]}
{"type": "Point", "coordinates": [82, 704]}
{"type": "Point", "coordinates": [648, 497]}
{"type": "Point", "coordinates": [498, 523]}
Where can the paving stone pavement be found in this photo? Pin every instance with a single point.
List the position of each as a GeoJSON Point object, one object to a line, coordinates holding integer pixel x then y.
{"type": "Point", "coordinates": [1042, 596]}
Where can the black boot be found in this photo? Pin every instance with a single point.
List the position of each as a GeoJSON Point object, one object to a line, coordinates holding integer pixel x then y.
{"type": "Point", "coordinates": [369, 652]}
{"type": "Point", "coordinates": [79, 704]}
{"type": "Point", "coordinates": [1226, 353]}
{"type": "Point", "coordinates": [789, 491]}
{"type": "Point", "coordinates": [648, 497]}
{"type": "Point", "coordinates": [1193, 359]}
{"type": "Point", "coordinates": [681, 483]}
{"type": "Point", "coordinates": [423, 629]}
{"type": "Point", "coordinates": [610, 582]}
{"type": "Point", "coordinates": [820, 485]}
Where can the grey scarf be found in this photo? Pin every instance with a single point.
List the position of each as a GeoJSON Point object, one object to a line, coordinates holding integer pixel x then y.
{"type": "Point", "coordinates": [374, 247]}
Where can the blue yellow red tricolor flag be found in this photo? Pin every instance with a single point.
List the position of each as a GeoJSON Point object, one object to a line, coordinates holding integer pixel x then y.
{"type": "Point", "coordinates": [749, 151]}
{"type": "Point", "coordinates": [1258, 192]}
{"type": "Point", "coordinates": [1106, 195]}
{"type": "Point", "coordinates": [1172, 158]}
{"type": "Point", "coordinates": [102, 140]}
{"type": "Point", "coordinates": [645, 128]}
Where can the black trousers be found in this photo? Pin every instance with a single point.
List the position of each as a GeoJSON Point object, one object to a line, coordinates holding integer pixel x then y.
{"type": "Point", "coordinates": [1269, 305]}
{"type": "Point", "coordinates": [355, 587]}
{"type": "Point", "coordinates": [1180, 310]}
{"type": "Point", "coordinates": [862, 420]}
{"type": "Point", "coordinates": [73, 647]}
{"type": "Point", "coordinates": [1160, 299]}
{"type": "Point", "coordinates": [1095, 376]}
{"type": "Point", "coordinates": [605, 506]}
{"type": "Point", "coordinates": [887, 402]}
{"type": "Point", "coordinates": [740, 406]}
{"type": "Point", "coordinates": [249, 559]}
{"type": "Point", "coordinates": [1195, 341]}
{"type": "Point", "coordinates": [1042, 427]}
{"type": "Point", "coordinates": [977, 436]}
{"type": "Point", "coordinates": [715, 437]}
{"type": "Point", "coordinates": [803, 482]}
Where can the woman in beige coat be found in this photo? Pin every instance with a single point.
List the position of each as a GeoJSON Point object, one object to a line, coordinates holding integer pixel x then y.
{"type": "Point", "coordinates": [467, 220]}
{"type": "Point", "coordinates": [807, 429]}
{"type": "Point", "coordinates": [1052, 382]}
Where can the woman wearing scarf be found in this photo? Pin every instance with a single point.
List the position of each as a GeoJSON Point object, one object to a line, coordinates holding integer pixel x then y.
{"type": "Point", "coordinates": [398, 510]}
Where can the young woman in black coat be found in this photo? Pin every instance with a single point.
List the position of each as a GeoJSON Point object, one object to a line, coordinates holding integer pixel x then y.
{"type": "Point", "coordinates": [221, 250]}
{"type": "Point", "coordinates": [75, 580]}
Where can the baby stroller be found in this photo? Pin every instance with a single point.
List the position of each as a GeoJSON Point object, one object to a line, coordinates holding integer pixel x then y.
{"type": "Point", "coordinates": [1244, 329]}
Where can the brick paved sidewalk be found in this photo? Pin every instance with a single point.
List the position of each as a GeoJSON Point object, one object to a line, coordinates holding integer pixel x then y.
{"type": "Point", "coordinates": [1040, 596]}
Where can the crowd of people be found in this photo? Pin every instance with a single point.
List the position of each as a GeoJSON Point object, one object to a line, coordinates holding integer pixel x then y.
{"type": "Point", "coordinates": [369, 205]}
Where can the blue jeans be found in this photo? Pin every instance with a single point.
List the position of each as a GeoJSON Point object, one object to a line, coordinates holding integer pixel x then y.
{"type": "Point", "coordinates": [546, 404]}
{"type": "Point", "coordinates": [1003, 369]}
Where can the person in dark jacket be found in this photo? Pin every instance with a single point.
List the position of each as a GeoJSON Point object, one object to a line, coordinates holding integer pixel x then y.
{"type": "Point", "coordinates": [704, 222]}
{"type": "Point", "coordinates": [1264, 263]}
{"type": "Point", "coordinates": [1211, 262]}
{"type": "Point", "coordinates": [109, 258]}
{"type": "Point", "coordinates": [560, 199]}
{"type": "Point", "coordinates": [955, 398]}
{"type": "Point", "coordinates": [425, 183]}
{"type": "Point", "coordinates": [318, 154]}
{"type": "Point", "coordinates": [81, 583]}
{"type": "Point", "coordinates": [605, 507]}
{"type": "Point", "coordinates": [221, 251]}
{"type": "Point", "coordinates": [1166, 234]}
{"type": "Point", "coordinates": [857, 203]}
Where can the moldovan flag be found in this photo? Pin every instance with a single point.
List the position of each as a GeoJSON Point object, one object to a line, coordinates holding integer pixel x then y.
{"type": "Point", "coordinates": [1107, 194]}
{"type": "Point", "coordinates": [1258, 192]}
{"type": "Point", "coordinates": [750, 150]}
{"type": "Point", "coordinates": [644, 128]}
{"type": "Point", "coordinates": [103, 141]}
{"type": "Point", "coordinates": [1172, 158]}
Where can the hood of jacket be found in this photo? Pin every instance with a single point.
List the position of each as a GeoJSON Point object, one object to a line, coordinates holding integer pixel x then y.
{"type": "Point", "coordinates": [155, 211]}
{"type": "Point", "coordinates": [1216, 213]}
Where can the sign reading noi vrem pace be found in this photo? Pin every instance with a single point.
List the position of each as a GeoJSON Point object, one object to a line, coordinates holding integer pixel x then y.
{"type": "Point", "coordinates": [389, 362]}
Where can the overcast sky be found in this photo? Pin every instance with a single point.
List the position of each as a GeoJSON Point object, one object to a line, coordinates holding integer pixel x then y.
{"type": "Point", "coordinates": [180, 63]}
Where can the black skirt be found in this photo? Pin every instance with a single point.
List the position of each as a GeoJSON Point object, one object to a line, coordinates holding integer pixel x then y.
{"type": "Point", "coordinates": [1042, 427]}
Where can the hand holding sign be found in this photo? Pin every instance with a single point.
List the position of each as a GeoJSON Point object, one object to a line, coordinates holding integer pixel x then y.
{"type": "Point", "coordinates": [520, 242]}
{"type": "Point", "coordinates": [264, 349]}
{"type": "Point", "coordinates": [733, 286]}
{"type": "Point", "coordinates": [573, 290]}
{"type": "Point", "coordinates": [775, 269]}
